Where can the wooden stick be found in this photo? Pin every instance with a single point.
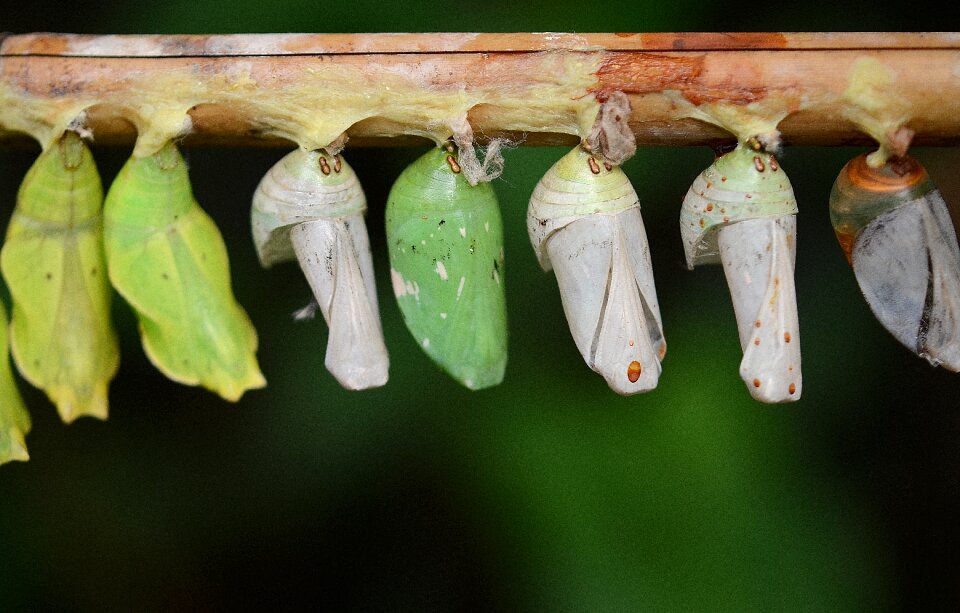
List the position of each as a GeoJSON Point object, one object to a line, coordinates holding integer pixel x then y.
{"type": "Point", "coordinates": [695, 88]}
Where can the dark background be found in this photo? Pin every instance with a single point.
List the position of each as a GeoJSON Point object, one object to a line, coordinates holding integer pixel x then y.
{"type": "Point", "coordinates": [547, 493]}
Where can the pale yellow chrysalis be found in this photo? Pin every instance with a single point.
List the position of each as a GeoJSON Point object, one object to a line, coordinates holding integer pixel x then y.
{"type": "Point", "coordinates": [61, 335]}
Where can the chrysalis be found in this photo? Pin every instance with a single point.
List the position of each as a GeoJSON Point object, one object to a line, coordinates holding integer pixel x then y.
{"type": "Point", "coordinates": [897, 233]}
{"type": "Point", "coordinates": [445, 241]}
{"type": "Point", "coordinates": [310, 206]}
{"type": "Point", "coordinates": [167, 259]}
{"type": "Point", "coordinates": [61, 336]}
{"type": "Point", "coordinates": [584, 222]}
{"type": "Point", "coordinates": [14, 419]}
{"type": "Point", "coordinates": [741, 210]}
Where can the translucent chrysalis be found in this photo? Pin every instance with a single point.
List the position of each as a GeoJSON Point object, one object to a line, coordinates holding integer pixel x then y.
{"type": "Point", "coordinates": [741, 211]}
{"type": "Point", "coordinates": [14, 419]}
{"type": "Point", "coordinates": [167, 259]}
{"type": "Point", "coordinates": [584, 222]}
{"type": "Point", "coordinates": [445, 240]}
{"type": "Point", "coordinates": [61, 336]}
{"type": "Point", "coordinates": [897, 234]}
{"type": "Point", "coordinates": [310, 206]}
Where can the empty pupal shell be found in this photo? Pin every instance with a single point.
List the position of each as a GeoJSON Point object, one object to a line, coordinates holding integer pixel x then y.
{"type": "Point", "coordinates": [302, 186]}
{"type": "Point", "coordinates": [310, 206]}
{"type": "Point", "coordinates": [14, 419]}
{"type": "Point", "coordinates": [584, 222]}
{"type": "Point", "coordinates": [445, 240]}
{"type": "Point", "coordinates": [741, 210]}
{"type": "Point", "coordinates": [897, 233]}
{"type": "Point", "coordinates": [61, 335]}
{"type": "Point", "coordinates": [335, 257]}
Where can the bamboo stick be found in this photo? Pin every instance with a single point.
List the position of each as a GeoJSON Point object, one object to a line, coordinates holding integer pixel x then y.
{"type": "Point", "coordinates": [694, 88]}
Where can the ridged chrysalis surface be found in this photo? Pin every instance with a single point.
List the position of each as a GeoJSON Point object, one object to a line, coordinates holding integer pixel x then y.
{"type": "Point", "coordinates": [61, 335]}
{"type": "Point", "coordinates": [167, 259]}
{"type": "Point", "coordinates": [14, 419]}
{"type": "Point", "coordinates": [310, 206]}
{"type": "Point", "coordinates": [742, 211]}
{"type": "Point", "coordinates": [897, 233]}
{"type": "Point", "coordinates": [445, 240]}
{"type": "Point", "coordinates": [584, 222]}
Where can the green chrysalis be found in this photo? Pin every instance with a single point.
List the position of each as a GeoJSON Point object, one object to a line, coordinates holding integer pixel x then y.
{"type": "Point", "coordinates": [61, 336]}
{"type": "Point", "coordinates": [14, 419]}
{"type": "Point", "coordinates": [168, 260]}
{"type": "Point", "coordinates": [446, 265]}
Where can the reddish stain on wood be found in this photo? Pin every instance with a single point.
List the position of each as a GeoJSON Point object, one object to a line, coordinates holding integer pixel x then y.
{"type": "Point", "coordinates": [715, 40]}
{"type": "Point", "coordinates": [641, 73]}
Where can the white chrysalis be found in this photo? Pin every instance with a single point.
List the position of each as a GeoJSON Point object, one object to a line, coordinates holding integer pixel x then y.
{"type": "Point", "coordinates": [896, 230]}
{"type": "Point", "coordinates": [741, 210]}
{"type": "Point", "coordinates": [310, 206]}
{"type": "Point", "coordinates": [584, 222]}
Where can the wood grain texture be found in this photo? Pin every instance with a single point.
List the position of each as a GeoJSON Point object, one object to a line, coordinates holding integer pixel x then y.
{"type": "Point", "coordinates": [690, 88]}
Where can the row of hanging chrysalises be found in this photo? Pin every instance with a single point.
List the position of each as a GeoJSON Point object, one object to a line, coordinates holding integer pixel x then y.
{"type": "Point", "coordinates": [66, 246]}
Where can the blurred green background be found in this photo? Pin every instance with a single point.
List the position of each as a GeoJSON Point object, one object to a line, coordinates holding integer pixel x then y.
{"type": "Point", "coordinates": [547, 493]}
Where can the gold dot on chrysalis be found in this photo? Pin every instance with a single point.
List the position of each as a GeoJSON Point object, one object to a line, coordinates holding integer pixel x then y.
{"type": "Point", "coordinates": [786, 337]}
{"type": "Point", "coordinates": [792, 389]}
{"type": "Point", "coordinates": [324, 166]}
{"type": "Point", "coordinates": [453, 164]}
{"type": "Point", "coordinates": [633, 371]}
{"type": "Point", "coordinates": [594, 167]}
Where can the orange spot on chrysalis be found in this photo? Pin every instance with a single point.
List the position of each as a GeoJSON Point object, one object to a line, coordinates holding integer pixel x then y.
{"type": "Point", "coordinates": [786, 337]}
{"type": "Point", "coordinates": [792, 389]}
{"type": "Point", "coordinates": [709, 207]}
{"type": "Point", "coordinates": [756, 341]}
{"type": "Point", "coordinates": [594, 167]}
{"type": "Point", "coordinates": [758, 164]}
{"type": "Point", "coordinates": [756, 383]}
{"type": "Point", "coordinates": [633, 371]}
{"type": "Point", "coordinates": [758, 323]}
